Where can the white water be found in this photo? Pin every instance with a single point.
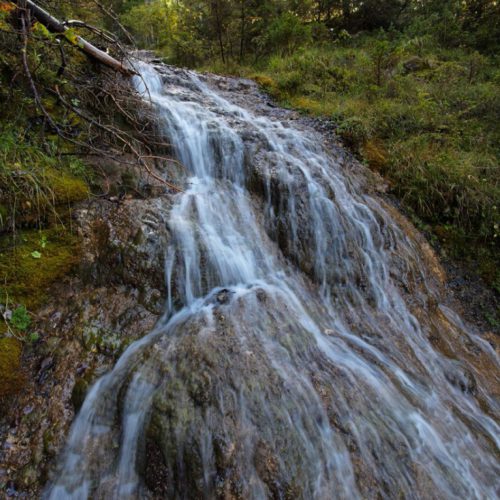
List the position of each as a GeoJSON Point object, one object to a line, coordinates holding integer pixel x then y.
{"type": "Point", "coordinates": [287, 311]}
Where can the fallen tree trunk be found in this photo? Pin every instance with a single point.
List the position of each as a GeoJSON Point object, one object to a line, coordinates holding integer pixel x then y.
{"type": "Point", "coordinates": [55, 26]}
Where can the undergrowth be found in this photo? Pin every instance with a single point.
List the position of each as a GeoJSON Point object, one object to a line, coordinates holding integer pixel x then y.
{"type": "Point", "coordinates": [41, 178]}
{"type": "Point", "coordinates": [37, 187]}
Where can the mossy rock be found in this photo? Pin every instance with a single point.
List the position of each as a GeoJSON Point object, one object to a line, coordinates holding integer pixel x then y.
{"type": "Point", "coordinates": [102, 340]}
{"type": "Point", "coordinates": [32, 262]}
{"type": "Point", "coordinates": [65, 187]}
{"type": "Point", "coordinates": [11, 376]}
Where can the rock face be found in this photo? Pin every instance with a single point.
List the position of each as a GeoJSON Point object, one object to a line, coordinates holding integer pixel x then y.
{"type": "Point", "coordinates": [114, 298]}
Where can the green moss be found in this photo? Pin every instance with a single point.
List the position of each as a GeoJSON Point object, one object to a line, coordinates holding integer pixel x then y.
{"type": "Point", "coordinates": [264, 81]}
{"type": "Point", "coordinates": [65, 187]}
{"type": "Point", "coordinates": [11, 378]}
{"type": "Point", "coordinates": [25, 279]}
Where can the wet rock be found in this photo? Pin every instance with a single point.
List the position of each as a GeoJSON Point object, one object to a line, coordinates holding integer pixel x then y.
{"type": "Point", "coordinates": [116, 298]}
{"type": "Point", "coordinates": [46, 365]}
{"type": "Point", "coordinates": [224, 296]}
{"type": "Point", "coordinates": [79, 392]}
{"type": "Point", "coordinates": [81, 368]}
{"type": "Point", "coordinates": [261, 295]}
{"type": "Point", "coordinates": [10, 489]}
{"type": "Point", "coordinates": [194, 410]}
{"type": "Point", "coordinates": [461, 377]}
{"type": "Point", "coordinates": [242, 394]}
{"type": "Point", "coordinates": [155, 473]}
{"type": "Point", "coordinates": [125, 243]}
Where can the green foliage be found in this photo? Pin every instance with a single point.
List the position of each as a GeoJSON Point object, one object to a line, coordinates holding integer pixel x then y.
{"type": "Point", "coordinates": [285, 34]}
{"type": "Point", "coordinates": [384, 57]}
{"type": "Point", "coordinates": [148, 23]}
{"type": "Point", "coordinates": [33, 337]}
{"type": "Point", "coordinates": [39, 181]}
{"type": "Point", "coordinates": [193, 32]}
{"type": "Point", "coordinates": [20, 318]}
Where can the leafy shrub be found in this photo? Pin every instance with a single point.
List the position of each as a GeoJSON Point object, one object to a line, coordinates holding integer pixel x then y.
{"type": "Point", "coordinates": [285, 34]}
{"type": "Point", "coordinates": [354, 131]}
{"type": "Point", "coordinates": [385, 57]}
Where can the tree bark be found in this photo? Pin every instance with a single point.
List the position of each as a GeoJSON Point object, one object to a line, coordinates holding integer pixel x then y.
{"type": "Point", "coordinates": [55, 26]}
{"type": "Point", "coordinates": [242, 30]}
{"type": "Point", "coordinates": [215, 6]}
{"type": "Point", "coordinates": [346, 9]}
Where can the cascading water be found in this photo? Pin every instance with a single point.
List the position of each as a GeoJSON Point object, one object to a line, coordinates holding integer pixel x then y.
{"type": "Point", "coordinates": [304, 353]}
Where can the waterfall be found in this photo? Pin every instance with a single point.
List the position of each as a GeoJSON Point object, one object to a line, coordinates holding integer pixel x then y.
{"type": "Point", "coordinates": [306, 349]}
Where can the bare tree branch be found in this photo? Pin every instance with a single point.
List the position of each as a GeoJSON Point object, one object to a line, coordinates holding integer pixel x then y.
{"type": "Point", "coordinates": [55, 26]}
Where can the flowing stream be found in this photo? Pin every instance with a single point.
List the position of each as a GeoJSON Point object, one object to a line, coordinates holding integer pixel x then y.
{"type": "Point", "coordinates": [305, 351]}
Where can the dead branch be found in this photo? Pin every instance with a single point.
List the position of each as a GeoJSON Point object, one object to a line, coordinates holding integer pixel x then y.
{"type": "Point", "coordinates": [123, 138]}
{"type": "Point", "coordinates": [36, 95]}
{"type": "Point", "coordinates": [63, 65]}
{"type": "Point", "coordinates": [55, 26]}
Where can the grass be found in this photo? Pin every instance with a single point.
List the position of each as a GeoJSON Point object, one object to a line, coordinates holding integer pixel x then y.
{"type": "Point", "coordinates": [424, 117]}
{"type": "Point", "coordinates": [37, 186]}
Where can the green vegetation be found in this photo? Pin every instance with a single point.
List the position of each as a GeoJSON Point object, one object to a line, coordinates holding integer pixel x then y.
{"type": "Point", "coordinates": [41, 178]}
{"type": "Point", "coordinates": [38, 185]}
{"type": "Point", "coordinates": [26, 277]}
{"type": "Point", "coordinates": [234, 31]}
{"type": "Point", "coordinates": [30, 262]}
{"type": "Point", "coordinates": [20, 318]}
{"type": "Point", "coordinates": [58, 108]}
